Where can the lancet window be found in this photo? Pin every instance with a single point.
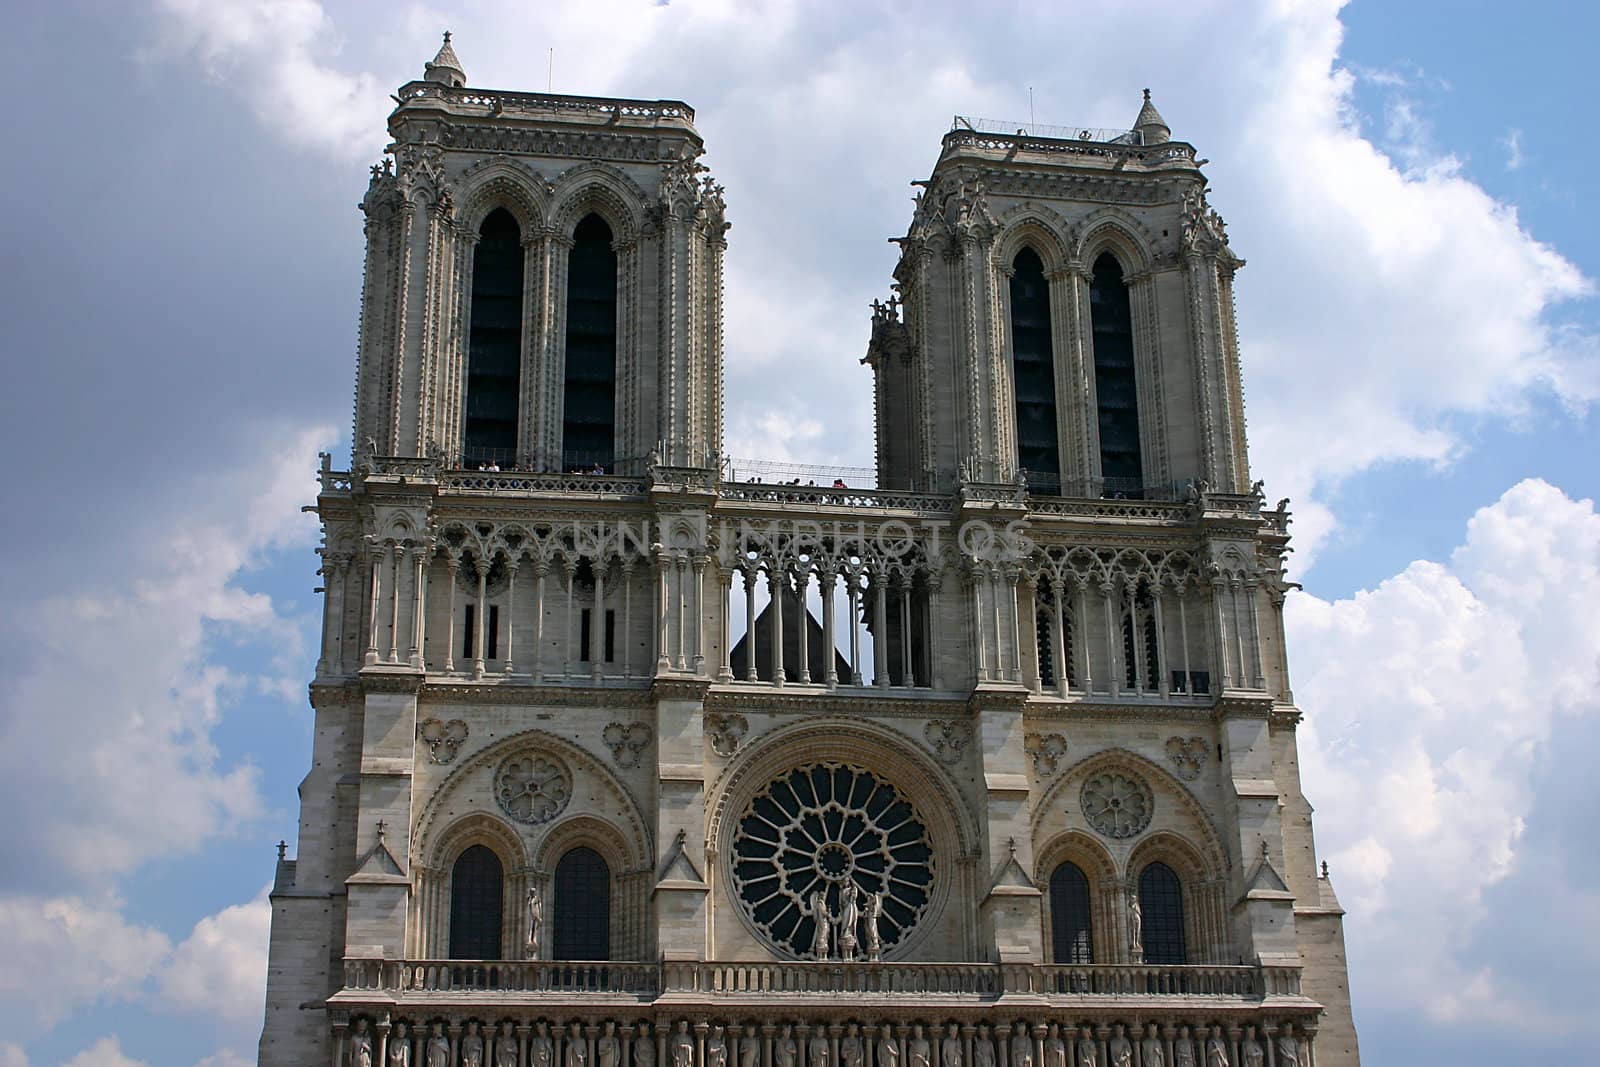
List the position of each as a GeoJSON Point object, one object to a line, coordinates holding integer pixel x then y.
{"type": "Point", "coordinates": [588, 423]}
{"type": "Point", "coordinates": [494, 343]}
{"type": "Point", "coordinates": [1161, 909]}
{"type": "Point", "coordinates": [1033, 374]}
{"type": "Point", "coordinates": [477, 898]}
{"type": "Point", "coordinates": [1116, 391]}
{"type": "Point", "coordinates": [582, 906]}
{"type": "Point", "coordinates": [1071, 936]}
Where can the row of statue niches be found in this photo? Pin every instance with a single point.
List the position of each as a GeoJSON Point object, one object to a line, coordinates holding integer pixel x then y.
{"type": "Point", "coordinates": [1042, 1045]}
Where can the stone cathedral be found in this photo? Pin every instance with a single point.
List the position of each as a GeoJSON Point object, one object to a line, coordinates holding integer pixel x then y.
{"type": "Point", "coordinates": [625, 756]}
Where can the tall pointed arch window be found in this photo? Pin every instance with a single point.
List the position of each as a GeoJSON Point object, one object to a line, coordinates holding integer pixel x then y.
{"type": "Point", "coordinates": [1161, 911]}
{"type": "Point", "coordinates": [1116, 391]}
{"type": "Point", "coordinates": [477, 899]}
{"type": "Point", "coordinates": [588, 423]}
{"type": "Point", "coordinates": [1033, 376]}
{"type": "Point", "coordinates": [1071, 938]}
{"type": "Point", "coordinates": [494, 343]}
{"type": "Point", "coordinates": [582, 919]}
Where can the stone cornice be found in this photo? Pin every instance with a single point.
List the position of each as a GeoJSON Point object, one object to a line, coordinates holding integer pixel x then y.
{"type": "Point", "coordinates": [809, 700]}
{"type": "Point", "coordinates": [1054, 709]}
{"type": "Point", "coordinates": [515, 691]}
{"type": "Point", "coordinates": [1238, 706]}
{"type": "Point", "coordinates": [672, 688]}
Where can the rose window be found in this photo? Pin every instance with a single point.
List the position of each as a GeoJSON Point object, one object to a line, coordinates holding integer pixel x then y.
{"type": "Point", "coordinates": [817, 830]}
{"type": "Point", "coordinates": [532, 788]}
{"type": "Point", "coordinates": [1116, 804]}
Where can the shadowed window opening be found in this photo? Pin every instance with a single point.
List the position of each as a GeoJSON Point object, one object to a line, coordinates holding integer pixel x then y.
{"type": "Point", "coordinates": [1033, 374]}
{"type": "Point", "coordinates": [582, 907]}
{"type": "Point", "coordinates": [588, 426]}
{"type": "Point", "coordinates": [1161, 908]}
{"type": "Point", "coordinates": [1116, 390]}
{"type": "Point", "coordinates": [1071, 938]}
{"type": "Point", "coordinates": [477, 892]}
{"type": "Point", "coordinates": [494, 343]}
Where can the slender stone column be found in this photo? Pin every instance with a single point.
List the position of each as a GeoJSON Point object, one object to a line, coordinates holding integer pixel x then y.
{"type": "Point", "coordinates": [570, 628]}
{"type": "Point", "coordinates": [1001, 672]}
{"type": "Point", "coordinates": [1217, 588]}
{"type": "Point", "coordinates": [1130, 597]}
{"type": "Point", "coordinates": [1013, 574]}
{"type": "Point", "coordinates": [482, 567]}
{"type": "Point", "coordinates": [419, 603]}
{"type": "Point", "coordinates": [376, 560]}
{"type": "Point", "coordinates": [597, 623]}
{"type": "Point", "coordinates": [342, 566]}
{"type": "Point", "coordinates": [1183, 635]}
{"type": "Point", "coordinates": [855, 629]}
{"type": "Point", "coordinates": [337, 1044]}
{"type": "Point", "coordinates": [908, 675]}
{"type": "Point", "coordinates": [697, 649]}
{"type": "Point", "coordinates": [396, 554]}
{"type": "Point", "coordinates": [511, 615]}
{"type": "Point", "coordinates": [1251, 596]}
{"type": "Point", "coordinates": [452, 565]}
{"type": "Point", "coordinates": [831, 668]}
{"type": "Point", "coordinates": [681, 602]}
{"type": "Point", "coordinates": [1082, 631]}
{"type": "Point", "coordinates": [752, 670]}
{"type": "Point", "coordinates": [1062, 649]}
{"type": "Point", "coordinates": [1243, 677]}
{"type": "Point", "coordinates": [979, 638]}
{"type": "Point", "coordinates": [880, 635]}
{"type": "Point", "coordinates": [663, 607]}
{"type": "Point", "coordinates": [804, 624]}
{"type": "Point", "coordinates": [1113, 641]}
{"type": "Point", "coordinates": [775, 592]}
{"type": "Point", "coordinates": [725, 584]}
{"type": "Point", "coordinates": [327, 573]}
{"type": "Point", "coordinates": [627, 625]}
{"type": "Point", "coordinates": [540, 569]}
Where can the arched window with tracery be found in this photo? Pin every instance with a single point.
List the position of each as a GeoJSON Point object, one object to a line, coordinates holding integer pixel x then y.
{"type": "Point", "coordinates": [1161, 910]}
{"type": "Point", "coordinates": [494, 343]}
{"type": "Point", "coordinates": [1116, 390]}
{"type": "Point", "coordinates": [1033, 378]}
{"type": "Point", "coordinates": [1071, 938]}
{"type": "Point", "coordinates": [582, 918]}
{"type": "Point", "coordinates": [477, 899]}
{"type": "Point", "coordinates": [588, 420]}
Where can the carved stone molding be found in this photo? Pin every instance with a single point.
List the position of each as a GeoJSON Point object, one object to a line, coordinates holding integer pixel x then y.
{"type": "Point", "coordinates": [725, 730]}
{"type": "Point", "coordinates": [1187, 756]}
{"type": "Point", "coordinates": [627, 741]}
{"type": "Point", "coordinates": [1047, 751]}
{"type": "Point", "coordinates": [947, 737]}
{"type": "Point", "coordinates": [533, 787]}
{"type": "Point", "coordinates": [1117, 804]}
{"type": "Point", "coordinates": [444, 739]}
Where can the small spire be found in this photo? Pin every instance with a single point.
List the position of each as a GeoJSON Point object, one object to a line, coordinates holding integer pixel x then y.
{"type": "Point", "coordinates": [1324, 870]}
{"type": "Point", "coordinates": [445, 68]}
{"type": "Point", "coordinates": [1150, 125]}
{"type": "Point", "coordinates": [283, 848]}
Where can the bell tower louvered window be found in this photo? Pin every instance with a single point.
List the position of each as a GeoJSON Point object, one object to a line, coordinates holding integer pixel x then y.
{"type": "Point", "coordinates": [477, 897]}
{"type": "Point", "coordinates": [1116, 391]}
{"type": "Point", "coordinates": [1033, 374]}
{"type": "Point", "coordinates": [583, 906]}
{"type": "Point", "coordinates": [494, 343]}
{"type": "Point", "coordinates": [588, 423]}
{"type": "Point", "coordinates": [1161, 909]}
{"type": "Point", "coordinates": [1071, 938]}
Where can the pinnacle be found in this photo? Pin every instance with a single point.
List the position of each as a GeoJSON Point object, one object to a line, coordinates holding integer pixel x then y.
{"type": "Point", "coordinates": [446, 67]}
{"type": "Point", "coordinates": [1151, 124]}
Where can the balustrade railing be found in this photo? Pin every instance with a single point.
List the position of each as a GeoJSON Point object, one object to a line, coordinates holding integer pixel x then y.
{"type": "Point", "coordinates": [975, 981]}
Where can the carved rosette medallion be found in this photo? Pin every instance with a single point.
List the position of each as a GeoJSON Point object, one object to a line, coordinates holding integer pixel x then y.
{"type": "Point", "coordinates": [627, 742]}
{"type": "Point", "coordinates": [947, 738]}
{"type": "Point", "coordinates": [725, 730]}
{"type": "Point", "coordinates": [1117, 803]}
{"type": "Point", "coordinates": [533, 787]}
{"type": "Point", "coordinates": [1187, 755]}
{"type": "Point", "coordinates": [817, 829]}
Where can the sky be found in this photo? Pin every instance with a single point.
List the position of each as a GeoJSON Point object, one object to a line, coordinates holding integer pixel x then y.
{"type": "Point", "coordinates": [1421, 344]}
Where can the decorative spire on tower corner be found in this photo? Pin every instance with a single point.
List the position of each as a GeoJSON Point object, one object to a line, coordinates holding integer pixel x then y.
{"type": "Point", "coordinates": [1152, 128]}
{"type": "Point", "coordinates": [445, 68]}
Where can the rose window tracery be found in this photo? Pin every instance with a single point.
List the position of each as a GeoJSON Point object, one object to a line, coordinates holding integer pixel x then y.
{"type": "Point", "coordinates": [1117, 804]}
{"type": "Point", "coordinates": [532, 787]}
{"type": "Point", "coordinates": [821, 828]}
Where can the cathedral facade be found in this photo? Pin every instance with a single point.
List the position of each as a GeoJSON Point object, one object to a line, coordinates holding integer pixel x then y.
{"type": "Point", "coordinates": [623, 758]}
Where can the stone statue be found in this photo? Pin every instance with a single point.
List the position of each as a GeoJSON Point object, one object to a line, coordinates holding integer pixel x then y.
{"type": "Point", "coordinates": [505, 1046]}
{"type": "Point", "coordinates": [822, 939]}
{"type": "Point", "coordinates": [399, 1047]}
{"type": "Point", "coordinates": [716, 1049]}
{"type": "Point", "coordinates": [950, 1048]}
{"type": "Point", "coordinates": [1121, 1048]}
{"type": "Point", "coordinates": [438, 1047]}
{"type": "Point", "coordinates": [1183, 1050]}
{"type": "Point", "coordinates": [360, 1045]}
{"type": "Point", "coordinates": [1021, 1048]}
{"type": "Point", "coordinates": [541, 1050]}
{"type": "Point", "coordinates": [1088, 1051]}
{"type": "Point", "coordinates": [682, 1046]}
{"type": "Point", "coordinates": [1135, 928]}
{"type": "Point", "coordinates": [608, 1050]}
{"type": "Point", "coordinates": [1151, 1052]}
{"type": "Point", "coordinates": [472, 1046]}
{"type": "Point", "coordinates": [818, 1054]}
{"type": "Point", "coordinates": [982, 1049]}
{"type": "Point", "coordinates": [577, 1051]}
{"type": "Point", "coordinates": [1216, 1049]}
{"type": "Point", "coordinates": [919, 1052]}
{"type": "Point", "coordinates": [1288, 1047]}
{"type": "Point", "coordinates": [644, 1049]}
{"type": "Point", "coordinates": [535, 922]}
{"type": "Point", "coordinates": [749, 1049]}
{"type": "Point", "coordinates": [850, 1050]}
{"type": "Point", "coordinates": [1251, 1054]}
{"type": "Point", "coordinates": [784, 1049]}
{"type": "Point", "coordinates": [874, 941]}
{"type": "Point", "coordinates": [849, 919]}
{"type": "Point", "coordinates": [888, 1049]}
{"type": "Point", "coordinates": [1055, 1049]}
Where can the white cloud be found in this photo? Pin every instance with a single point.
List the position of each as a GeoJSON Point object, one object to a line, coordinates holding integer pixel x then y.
{"type": "Point", "coordinates": [106, 1052]}
{"type": "Point", "coordinates": [227, 1057]}
{"type": "Point", "coordinates": [1428, 700]}
{"type": "Point", "coordinates": [220, 969]}
{"type": "Point", "coordinates": [65, 953]}
{"type": "Point", "coordinates": [1512, 143]}
{"type": "Point", "coordinates": [12, 1055]}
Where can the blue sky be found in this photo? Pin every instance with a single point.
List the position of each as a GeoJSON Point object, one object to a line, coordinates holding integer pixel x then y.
{"type": "Point", "coordinates": [182, 266]}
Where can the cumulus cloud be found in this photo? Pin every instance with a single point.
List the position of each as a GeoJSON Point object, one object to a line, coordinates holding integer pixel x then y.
{"type": "Point", "coordinates": [12, 1055]}
{"type": "Point", "coordinates": [226, 1057]}
{"type": "Point", "coordinates": [106, 1052]}
{"type": "Point", "coordinates": [1429, 701]}
{"type": "Point", "coordinates": [220, 969]}
{"type": "Point", "coordinates": [65, 953]}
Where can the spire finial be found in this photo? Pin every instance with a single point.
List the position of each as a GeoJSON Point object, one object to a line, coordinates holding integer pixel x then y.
{"type": "Point", "coordinates": [1324, 870]}
{"type": "Point", "coordinates": [1151, 126]}
{"type": "Point", "coordinates": [445, 68]}
{"type": "Point", "coordinates": [283, 847]}
{"type": "Point", "coordinates": [1146, 92]}
{"type": "Point", "coordinates": [447, 41]}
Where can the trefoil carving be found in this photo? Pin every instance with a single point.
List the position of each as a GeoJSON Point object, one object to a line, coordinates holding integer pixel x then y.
{"type": "Point", "coordinates": [1047, 751]}
{"type": "Point", "coordinates": [948, 738]}
{"type": "Point", "coordinates": [1187, 756]}
{"type": "Point", "coordinates": [627, 741]}
{"type": "Point", "coordinates": [444, 739]}
{"type": "Point", "coordinates": [725, 730]}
